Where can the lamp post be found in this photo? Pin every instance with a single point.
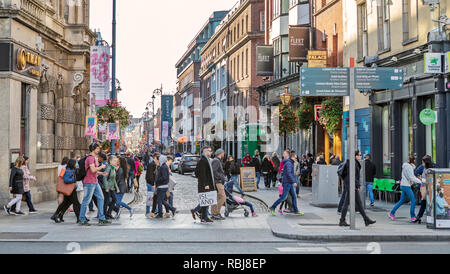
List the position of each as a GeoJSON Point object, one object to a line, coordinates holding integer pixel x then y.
{"type": "Point", "coordinates": [286, 100]}
{"type": "Point", "coordinates": [114, 90]}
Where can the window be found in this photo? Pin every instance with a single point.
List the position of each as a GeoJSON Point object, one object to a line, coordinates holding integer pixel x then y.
{"type": "Point", "coordinates": [231, 70]}
{"type": "Point", "coordinates": [281, 56]}
{"type": "Point", "coordinates": [362, 31]}
{"type": "Point", "coordinates": [223, 77]}
{"type": "Point", "coordinates": [246, 62]}
{"type": "Point", "coordinates": [276, 8]}
{"type": "Point", "coordinates": [324, 3]}
{"type": "Point", "coordinates": [238, 32]}
{"type": "Point", "coordinates": [386, 125]}
{"type": "Point", "coordinates": [407, 131]}
{"type": "Point", "coordinates": [234, 38]}
{"type": "Point", "coordinates": [242, 26]}
{"type": "Point", "coordinates": [284, 6]}
{"type": "Point", "coordinates": [246, 23]}
{"type": "Point", "coordinates": [430, 133]}
{"type": "Point", "coordinates": [213, 82]}
{"type": "Point", "coordinates": [262, 21]}
{"type": "Point", "coordinates": [237, 72]}
{"type": "Point", "coordinates": [384, 42]}
{"type": "Point", "coordinates": [410, 19]}
{"type": "Point", "coordinates": [242, 73]}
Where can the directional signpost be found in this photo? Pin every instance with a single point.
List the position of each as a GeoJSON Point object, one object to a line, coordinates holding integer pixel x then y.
{"type": "Point", "coordinates": [343, 82]}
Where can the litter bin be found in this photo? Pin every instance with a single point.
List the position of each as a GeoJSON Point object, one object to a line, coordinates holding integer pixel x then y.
{"type": "Point", "coordinates": [438, 198]}
{"type": "Point", "coordinates": [325, 186]}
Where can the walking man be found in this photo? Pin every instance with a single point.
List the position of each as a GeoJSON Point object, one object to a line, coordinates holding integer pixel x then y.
{"type": "Point", "coordinates": [220, 179]}
{"type": "Point", "coordinates": [131, 171]}
{"type": "Point", "coordinates": [358, 201]}
{"type": "Point", "coordinates": [288, 181]}
{"type": "Point", "coordinates": [150, 177]}
{"type": "Point", "coordinates": [256, 163]}
{"type": "Point", "coordinates": [204, 174]}
{"type": "Point", "coordinates": [91, 186]}
{"type": "Point", "coordinates": [371, 171]}
{"type": "Point", "coordinates": [162, 185]}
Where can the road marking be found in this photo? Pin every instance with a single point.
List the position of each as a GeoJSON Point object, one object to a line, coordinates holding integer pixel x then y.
{"type": "Point", "coordinates": [303, 249]}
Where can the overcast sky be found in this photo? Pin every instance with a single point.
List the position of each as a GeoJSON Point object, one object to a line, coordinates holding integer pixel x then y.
{"type": "Point", "coordinates": [151, 37]}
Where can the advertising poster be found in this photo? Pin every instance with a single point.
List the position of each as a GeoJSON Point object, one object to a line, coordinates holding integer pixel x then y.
{"type": "Point", "coordinates": [91, 126]}
{"type": "Point", "coordinates": [100, 77]}
{"type": "Point", "coordinates": [298, 43]}
{"type": "Point", "coordinates": [102, 128]}
{"type": "Point", "coordinates": [248, 179]}
{"type": "Point", "coordinates": [264, 61]}
{"type": "Point", "coordinates": [113, 132]}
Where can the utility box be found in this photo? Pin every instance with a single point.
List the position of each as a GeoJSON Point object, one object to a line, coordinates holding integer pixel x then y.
{"type": "Point", "coordinates": [325, 186]}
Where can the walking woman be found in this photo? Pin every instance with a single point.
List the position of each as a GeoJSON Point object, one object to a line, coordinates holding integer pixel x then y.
{"type": "Point", "coordinates": [110, 187]}
{"type": "Point", "coordinates": [27, 179]}
{"type": "Point", "coordinates": [72, 199]}
{"type": "Point", "coordinates": [139, 170]}
{"type": "Point", "coordinates": [408, 179]}
{"type": "Point", "coordinates": [61, 171]}
{"type": "Point", "coordinates": [122, 186]}
{"type": "Point", "coordinates": [16, 187]}
{"type": "Point", "coordinates": [276, 164]}
{"type": "Point", "coordinates": [267, 170]}
{"type": "Point", "coordinates": [427, 164]}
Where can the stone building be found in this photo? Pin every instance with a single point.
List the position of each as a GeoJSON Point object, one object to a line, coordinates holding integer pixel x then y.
{"type": "Point", "coordinates": [44, 87]}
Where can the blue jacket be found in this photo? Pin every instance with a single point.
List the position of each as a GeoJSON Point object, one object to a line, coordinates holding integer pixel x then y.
{"type": "Point", "coordinates": [288, 172]}
{"type": "Point", "coordinates": [419, 170]}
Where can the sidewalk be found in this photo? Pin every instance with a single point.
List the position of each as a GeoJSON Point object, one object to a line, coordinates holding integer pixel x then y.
{"type": "Point", "coordinates": [321, 224]}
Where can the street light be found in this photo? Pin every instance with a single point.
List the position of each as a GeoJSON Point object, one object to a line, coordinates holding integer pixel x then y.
{"type": "Point", "coordinates": [286, 100]}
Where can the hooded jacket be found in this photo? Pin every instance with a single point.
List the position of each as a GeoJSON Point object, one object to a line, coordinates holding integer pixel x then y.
{"type": "Point", "coordinates": [288, 172]}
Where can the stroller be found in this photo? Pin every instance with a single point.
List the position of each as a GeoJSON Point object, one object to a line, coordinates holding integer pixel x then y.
{"type": "Point", "coordinates": [233, 203]}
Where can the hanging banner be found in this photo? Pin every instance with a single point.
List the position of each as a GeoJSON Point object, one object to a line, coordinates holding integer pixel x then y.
{"type": "Point", "coordinates": [100, 77]}
{"type": "Point", "coordinates": [298, 43]}
{"type": "Point", "coordinates": [91, 126]}
{"type": "Point", "coordinates": [113, 132]}
{"type": "Point", "coordinates": [165, 129]}
{"type": "Point", "coordinates": [166, 117]}
{"type": "Point", "coordinates": [264, 61]}
{"type": "Point", "coordinates": [157, 139]}
{"type": "Point", "coordinates": [102, 128]}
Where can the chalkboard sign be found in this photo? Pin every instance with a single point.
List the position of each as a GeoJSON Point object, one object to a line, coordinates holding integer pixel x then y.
{"type": "Point", "coordinates": [248, 179]}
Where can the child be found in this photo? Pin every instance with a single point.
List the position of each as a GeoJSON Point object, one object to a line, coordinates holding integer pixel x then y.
{"type": "Point", "coordinates": [229, 190]}
{"type": "Point", "coordinates": [284, 203]}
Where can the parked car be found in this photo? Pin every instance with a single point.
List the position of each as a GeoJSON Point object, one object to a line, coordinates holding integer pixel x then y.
{"type": "Point", "coordinates": [188, 163]}
{"type": "Point", "coordinates": [175, 164]}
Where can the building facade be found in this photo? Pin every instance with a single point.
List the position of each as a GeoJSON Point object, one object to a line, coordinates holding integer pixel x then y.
{"type": "Point", "coordinates": [398, 34]}
{"type": "Point", "coordinates": [228, 77]}
{"type": "Point", "coordinates": [44, 84]}
{"type": "Point", "coordinates": [187, 103]}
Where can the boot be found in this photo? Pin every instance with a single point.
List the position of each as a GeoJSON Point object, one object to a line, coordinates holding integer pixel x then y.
{"type": "Point", "coordinates": [343, 223]}
{"type": "Point", "coordinates": [56, 219]}
{"type": "Point", "coordinates": [369, 222]}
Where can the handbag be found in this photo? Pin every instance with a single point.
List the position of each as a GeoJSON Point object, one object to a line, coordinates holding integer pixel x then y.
{"type": "Point", "coordinates": [136, 184]}
{"type": "Point", "coordinates": [65, 189]}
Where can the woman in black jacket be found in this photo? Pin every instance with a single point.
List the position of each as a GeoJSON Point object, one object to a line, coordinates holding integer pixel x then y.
{"type": "Point", "coordinates": [16, 187]}
{"type": "Point", "coordinates": [68, 200]}
{"type": "Point", "coordinates": [276, 162]}
{"type": "Point", "coordinates": [122, 172]}
{"type": "Point", "coordinates": [267, 170]}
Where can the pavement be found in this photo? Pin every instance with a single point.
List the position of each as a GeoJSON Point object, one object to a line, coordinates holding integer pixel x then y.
{"type": "Point", "coordinates": [317, 225]}
{"type": "Point", "coordinates": [321, 224]}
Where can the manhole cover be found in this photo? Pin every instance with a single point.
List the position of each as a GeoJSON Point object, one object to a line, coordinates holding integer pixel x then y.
{"type": "Point", "coordinates": [21, 236]}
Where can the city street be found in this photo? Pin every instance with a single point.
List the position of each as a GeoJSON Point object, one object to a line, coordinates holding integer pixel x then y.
{"type": "Point", "coordinates": [37, 234]}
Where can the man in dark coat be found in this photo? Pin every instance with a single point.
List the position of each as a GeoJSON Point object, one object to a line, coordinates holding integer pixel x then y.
{"type": "Point", "coordinates": [204, 174]}
{"type": "Point", "coordinates": [150, 177]}
{"type": "Point", "coordinates": [131, 171]}
{"type": "Point", "coordinates": [256, 163]}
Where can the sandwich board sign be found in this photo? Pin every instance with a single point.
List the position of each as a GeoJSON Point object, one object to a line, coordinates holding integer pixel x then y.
{"type": "Point", "coordinates": [248, 179]}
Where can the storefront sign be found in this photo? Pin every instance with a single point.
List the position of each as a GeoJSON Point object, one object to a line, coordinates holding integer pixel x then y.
{"type": "Point", "coordinates": [378, 78]}
{"type": "Point", "coordinates": [428, 117]}
{"type": "Point", "coordinates": [100, 77]}
{"type": "Point", "coordinates": [248, 179]}
{"type": "Point", "coordinates": [298, 43]}
{"type": "Point", "coordinates": [324, 82]}
{"type": "Point", "coordinates": [264, 61]}
{"type": "Point", "coordinates": [433, 63]}
{"type": "Point", "coordinates": [317, 109]}
{"type": "Point", "coordinates": [28, 63]}
{"type": "Point", "coordinates": [317, 58]}
{"type": "Point", "coordinates": [91, 126]}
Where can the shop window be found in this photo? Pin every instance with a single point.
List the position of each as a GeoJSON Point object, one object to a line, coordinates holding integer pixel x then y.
{"type": "Point", "coordinates": [386, 125]}
{"type": "Point", "coordinates": [362, 31]}
{"type": "Point", "coordinates": [407, 132]}
{"type": "Point", "coordinates": [430, 134]}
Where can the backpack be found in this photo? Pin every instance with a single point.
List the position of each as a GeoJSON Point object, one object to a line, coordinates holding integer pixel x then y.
{"type": "Point", "coordinates": [140, 168]}
{"type": "Point", "coordinates": [69, 177]}
{"type": "Point", "coordinates": [81, 171]}
{"type": "Point", "coordinates": [341, 171]}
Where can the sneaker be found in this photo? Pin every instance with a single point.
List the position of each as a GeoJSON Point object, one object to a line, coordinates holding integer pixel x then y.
{"type": "Point", "coordinates": [104, 222]}
{"type": "Point", "coordinates": [287, 210]}
{"type": "Point", "coordinates": [272, 211]}
{"type": "Point", "coordinates": [131, 213]}
{"type": "Point", "coordinates": [207, 221]}
{"type": "Point", "coordinates": [71, 210]}
{"type": "Point", "coordinates": [20, 213]}
{"type": "Point", "coordinates": [84, 223]}
{"type": "Point", "coordinates": [392, 217]}
{"type": "Point", "coordinates": [254, 214]}
{"type": "Point", "coordinates": [339, 213]}
{"type": "Point", "coordinates": [280, 211]}
{"type": "Point", "coordinates": [372, 205]}
{"type": "Point", "coordinates": [193, 214]}
{"type": "Point", "coordinates": [33, 211]}
{"type": "Point", "coordinates": [7, 210]}
{"type": "Point", "coordinates": [299, 214]}
{"type": "Point", "coordinates": [413, 220]}
{"type": "Point", "coordinates": [220, 217]}
{"type": "Point", "coordinates": [167, 215]}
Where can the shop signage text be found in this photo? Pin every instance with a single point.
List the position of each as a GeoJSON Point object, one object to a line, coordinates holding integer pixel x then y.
{"type": "Point", "coordinates": [27, 61]}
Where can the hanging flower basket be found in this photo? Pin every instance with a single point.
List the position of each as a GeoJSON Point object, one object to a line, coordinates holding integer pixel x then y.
{"type": "Point", "coordinates": [331, 115]}
{"type": "Point", "coordinates": [112, 112]}
{"type": "Point", "coordinates": [305, 114]}
{"type": "Point", "coordinates": [288, 120]}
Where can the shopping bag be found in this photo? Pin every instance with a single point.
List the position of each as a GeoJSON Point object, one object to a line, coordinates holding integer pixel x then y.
{"type": "Point", "coordinates": [208, 198]}
{"type": "Point", "coordinates": [149, 201]}
{"type": "Point", "coordinates": [80, 186]}
{"type": "Point", "coordinates": [136, 184]}
{"type": "Point", "coordinates": [65, 189]}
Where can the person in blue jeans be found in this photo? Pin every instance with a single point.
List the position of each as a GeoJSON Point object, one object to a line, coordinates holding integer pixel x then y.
{"type": "Point", "coordinates": [371, 171]}
{"type": "Point", "coordinates": [408, 179]}
{"type": "Point", "coordinates": [91, 186]}
{"type": "Point", "coordinates": [256, 163]}
{"type": "Point", "coordinates": [289, 182]}
{"type": "Point", "coordinates": [121, 183]}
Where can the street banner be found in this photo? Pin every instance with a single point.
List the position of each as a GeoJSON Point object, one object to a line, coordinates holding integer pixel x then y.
{"type": "Point", "coordinates": [166, 117]}
{"type": "Point", "coordinates": [165, 129]}
{"type": "Point", "coordinates": [207, 198]}
{"type": "Point", "coordinates": [157, 139]}
{"type": "Point", "coordinates": [264, 61]}
{"type": "Point", "coordinates": [91, 126]}
{"type": "Point", "coordinates": [248, 179]}
{"type": "Point", "coordinates": [298, 43]}
{"type": "Point", "coordinates": [113, 131]}
{"type": "Point", "coordinates": [100, 77]}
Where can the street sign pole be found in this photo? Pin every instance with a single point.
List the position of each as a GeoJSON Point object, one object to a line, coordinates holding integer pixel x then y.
{"type": "Point", "coordinates": [352, 149]}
